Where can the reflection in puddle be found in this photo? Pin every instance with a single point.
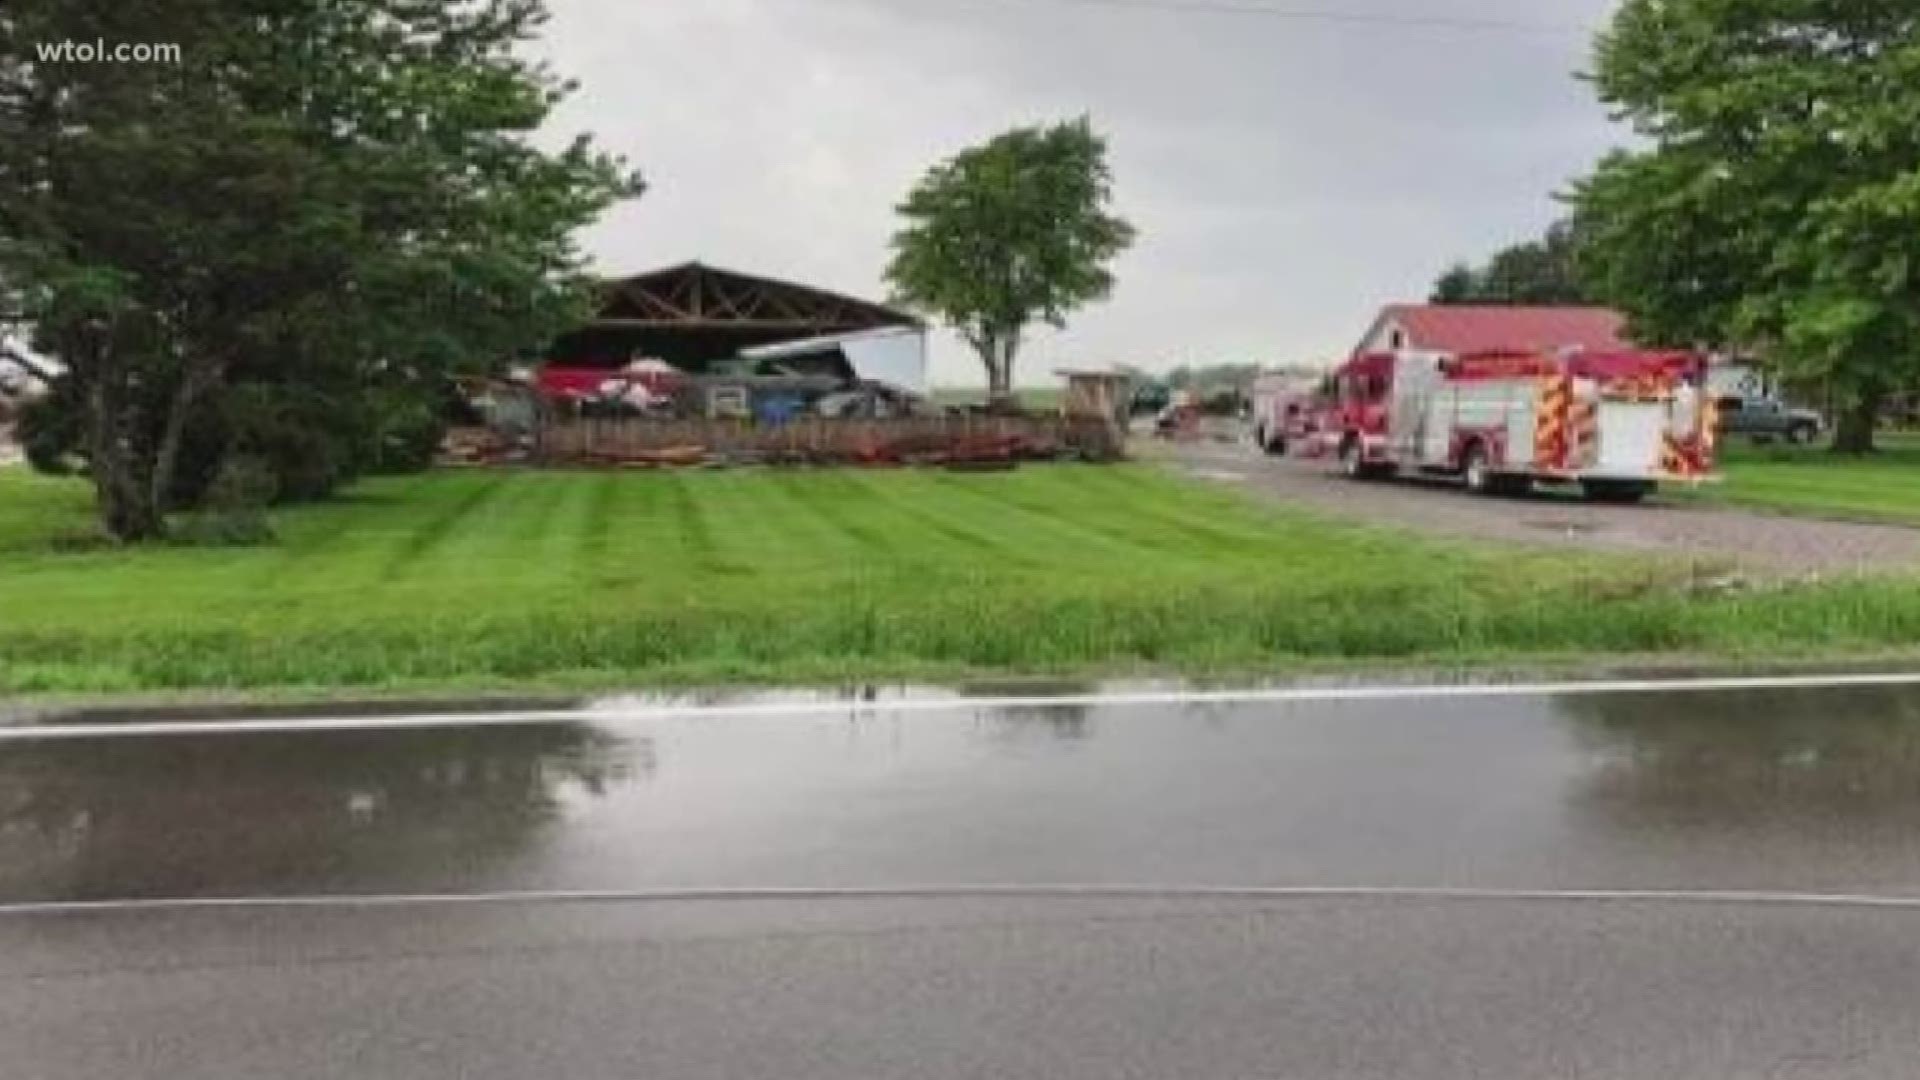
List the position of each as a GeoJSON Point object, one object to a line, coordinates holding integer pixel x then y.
{"type": "Point", "coordinates": [1815, 790]}
{"type": "Point", "coordinates": [136, 817]}
{"type": "Point", "coordinates": [1746, 758]}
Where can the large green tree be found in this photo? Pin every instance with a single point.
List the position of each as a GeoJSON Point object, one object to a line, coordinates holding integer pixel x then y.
{"type": "Point", "coordinates": [1531, 273]}
{"type": "Point", "coordinates": [320, 203]}
{"type": "Point", "coordinates": [1775, 203]}
{"type": "Point", "coordinates": [1010, 233]}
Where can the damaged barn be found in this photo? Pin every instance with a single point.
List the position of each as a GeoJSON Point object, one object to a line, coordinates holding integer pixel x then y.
{"type": "Point", "coordinates": [697, 341]}
{"type": "Point", "coordinates": [698, 365]}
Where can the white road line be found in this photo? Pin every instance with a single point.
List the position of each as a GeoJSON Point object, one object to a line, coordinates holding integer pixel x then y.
{"type": "Point", "coordinates": [366, 902]}
{"type": "Point", "coordinates": [1173, 698]}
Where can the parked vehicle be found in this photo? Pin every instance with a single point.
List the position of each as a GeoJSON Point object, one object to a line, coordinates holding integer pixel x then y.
{"type": "Point", "coordinates": [1151, 397]}
{"type": "Point", "coordinates": [1766, 418]}
{"type": "Point", "coordinates": [1179, 419]}
{"type": "Point", "coordinates": [1286, 413]}
{"type": "Point", "coordinates": [1615, 424]}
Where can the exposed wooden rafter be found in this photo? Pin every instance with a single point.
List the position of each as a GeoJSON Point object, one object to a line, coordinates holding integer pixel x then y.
{"type": "Point", "coordinates": [696, 296]}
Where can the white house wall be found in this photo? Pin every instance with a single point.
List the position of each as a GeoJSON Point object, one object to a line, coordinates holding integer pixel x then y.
{"type": "Point", "coordinates": [1737, 380]}
{"type": "Point", "coordinates": [1389, 336]}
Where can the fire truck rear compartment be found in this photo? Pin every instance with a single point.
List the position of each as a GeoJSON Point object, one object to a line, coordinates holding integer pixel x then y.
{"type": "Point", "coordinates": [1631, 439]}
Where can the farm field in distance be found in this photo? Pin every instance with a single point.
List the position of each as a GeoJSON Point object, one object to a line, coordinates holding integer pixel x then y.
{"type": "Point", "coordinates": [1030, 397]}
{"type": "Point", "coordinates": [482, 579]}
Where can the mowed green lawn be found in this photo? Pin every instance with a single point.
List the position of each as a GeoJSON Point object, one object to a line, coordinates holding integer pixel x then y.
{"type": "Point", "coordinates": [489, 579]}
{"type": "Point", "coordinates": [1814, 482]}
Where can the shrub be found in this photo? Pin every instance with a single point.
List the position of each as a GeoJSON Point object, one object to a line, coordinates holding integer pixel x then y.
{"type": "Point", "coordinates": [234, 510]}
{"type": "Point", "coordinates": [311, 439]}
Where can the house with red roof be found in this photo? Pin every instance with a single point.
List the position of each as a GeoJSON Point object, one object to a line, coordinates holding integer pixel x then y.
{"type": "Point", "coordinates": [1482, 328]}
{"type": "Point", "coordinates": [1478, 328]}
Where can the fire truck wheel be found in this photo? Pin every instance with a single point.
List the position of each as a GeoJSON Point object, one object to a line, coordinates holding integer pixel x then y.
{"type": "Point", "coordinates": [1353, 461]}
{"type": "Point", "coordinates": [1478, 471]}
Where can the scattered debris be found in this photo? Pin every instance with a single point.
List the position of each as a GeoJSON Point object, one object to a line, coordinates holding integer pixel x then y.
{"type": "Point", "coordinates": [1564, 526]}
{"type": "Point", "coordinates": [1723, 585]}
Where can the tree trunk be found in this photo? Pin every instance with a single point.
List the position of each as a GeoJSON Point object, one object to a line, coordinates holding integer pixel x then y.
{"type": "Point", "coordinates": [1000, 374]}
{"type": "Point", "coordinates": [1854, 432]}
{"type": "Point", "coordinates": [127, 514]}
{"type": "Point", "coordinates": [122, 495]}
{"type": "Point", "coordinates": [996, 350]}
{"type": "Point", "coordinates": [193, 383]}
{"type": "Point", "coordinates": [999, 385]}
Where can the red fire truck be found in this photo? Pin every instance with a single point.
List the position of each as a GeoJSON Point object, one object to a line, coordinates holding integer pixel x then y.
{"type": "Point", "coordinates": [1615, 424]}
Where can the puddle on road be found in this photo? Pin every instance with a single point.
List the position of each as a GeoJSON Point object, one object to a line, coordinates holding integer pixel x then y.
{"type": "Point", "coordinates": [857, 697]}
{"type": "Point", "coordinates": [1803, 790]}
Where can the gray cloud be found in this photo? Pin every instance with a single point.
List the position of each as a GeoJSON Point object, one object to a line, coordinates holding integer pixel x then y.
{"type": "Point", "coordinates": [1288, 177]}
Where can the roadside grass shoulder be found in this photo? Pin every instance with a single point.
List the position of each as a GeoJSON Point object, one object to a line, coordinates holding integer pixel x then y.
{"type": "Point", "coordinates": [484, 579]}
{"type": "Point", "coordinates": [1814, 482]}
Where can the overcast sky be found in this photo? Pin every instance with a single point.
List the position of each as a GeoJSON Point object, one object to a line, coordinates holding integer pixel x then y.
{"type": "Point", "coordinates": [1288, 176]}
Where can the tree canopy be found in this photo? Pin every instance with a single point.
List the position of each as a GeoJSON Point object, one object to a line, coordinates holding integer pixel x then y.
{"type": "Point", "coordinates": [280, 242]}
{"type": "Point", "coordinates": [1010, 233]}
{"type": "Point", "coordinates": [1532, 273]}
{"type": "Point", "coordinates": [1776, 201]}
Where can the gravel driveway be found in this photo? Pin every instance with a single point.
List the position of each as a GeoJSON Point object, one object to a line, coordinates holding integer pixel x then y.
{"type": "Point", "coordinates": [1757, 542]}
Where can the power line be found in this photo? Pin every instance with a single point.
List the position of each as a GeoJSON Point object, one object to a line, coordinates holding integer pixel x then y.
{"type": "Point", "coordinates": [1316, 15]}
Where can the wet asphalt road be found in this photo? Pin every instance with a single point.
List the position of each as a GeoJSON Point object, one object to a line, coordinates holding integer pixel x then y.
{"type": "Point", "coordinates": [1814, 791]}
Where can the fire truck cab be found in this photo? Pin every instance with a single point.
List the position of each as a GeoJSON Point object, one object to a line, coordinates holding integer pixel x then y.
{"type": "Point", "coordinates": [1615, 424]}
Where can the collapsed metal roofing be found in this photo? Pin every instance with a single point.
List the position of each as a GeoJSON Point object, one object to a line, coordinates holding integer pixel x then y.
{"type": "Point", "coordinates": [692, 315]}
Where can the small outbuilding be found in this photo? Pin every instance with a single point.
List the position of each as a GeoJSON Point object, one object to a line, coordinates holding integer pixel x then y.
{"type": "Point", "coordinates": [1099, 401]}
